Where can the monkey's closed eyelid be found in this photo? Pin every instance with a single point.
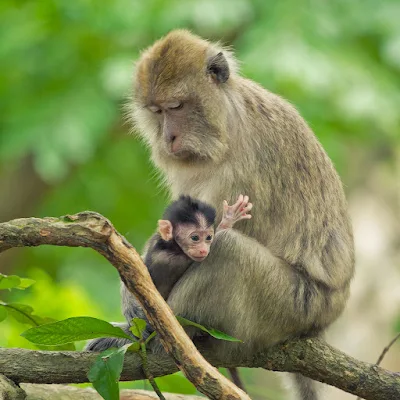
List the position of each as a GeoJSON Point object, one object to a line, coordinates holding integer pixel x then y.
{"type": "Point", "coordinates": [155, 109]}
{"type": "Point", "coordinates": [176, 106]}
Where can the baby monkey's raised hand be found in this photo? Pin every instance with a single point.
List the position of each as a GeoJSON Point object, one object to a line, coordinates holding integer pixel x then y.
{"type": "Point", "coordinates": [235, 213]}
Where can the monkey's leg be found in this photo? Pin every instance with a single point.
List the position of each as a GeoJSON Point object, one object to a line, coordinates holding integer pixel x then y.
{"type": "Point", "coordinates": [131, 308]}
{"type": "Point", "coordinates": [305, 388]}
{"type": "Point", "coordinates": [235, 377]}
{"type": "Point", "coordinates": [101, 344]}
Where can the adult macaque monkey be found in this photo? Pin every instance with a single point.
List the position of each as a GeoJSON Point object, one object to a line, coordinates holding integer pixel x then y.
{"type": "Point", "coordinates": [284, 273]}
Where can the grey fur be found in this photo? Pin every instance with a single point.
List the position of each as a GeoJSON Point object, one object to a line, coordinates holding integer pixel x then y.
{"type": "Point", "coordinates": [101, 344]}
{"type": "Point", "coordinates": [287, 271]}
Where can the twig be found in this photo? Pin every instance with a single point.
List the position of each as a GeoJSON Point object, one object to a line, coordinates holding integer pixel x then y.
{"type": "Point", "coordinates": [384, 351]}
{"type": "Point", "coordinates": [149, 376]}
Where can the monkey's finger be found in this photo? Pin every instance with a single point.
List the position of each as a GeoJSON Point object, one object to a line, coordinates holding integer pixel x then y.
{"type": "Point", "coordinates": [243, 209]}
{"type": "Point", "coordinates": [244, 203]}
{"type": "Point", "coordinates": [238, 204]}
{"type": "Point", "coordinates": [248, 207]}
{"type": "Point", "coordinates": [244, 216]}
{"type": "Point", "coordinates": [225, 207]}
{"type": "Point", "coordinates": [239, 200]}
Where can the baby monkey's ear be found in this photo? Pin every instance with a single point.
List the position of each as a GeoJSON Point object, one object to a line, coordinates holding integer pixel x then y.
{"type": "Point", "coordinates": [165, 229]}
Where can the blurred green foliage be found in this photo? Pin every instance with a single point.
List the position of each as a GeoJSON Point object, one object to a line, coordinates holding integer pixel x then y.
{"type": "Point", "coordinates": [65, 73]}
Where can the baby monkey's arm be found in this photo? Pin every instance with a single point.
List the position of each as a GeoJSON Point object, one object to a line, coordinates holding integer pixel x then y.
{"type": "Point", "coordinates": [235, 213]}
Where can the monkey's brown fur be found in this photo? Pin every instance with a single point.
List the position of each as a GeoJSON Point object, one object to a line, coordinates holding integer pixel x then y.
{"type": "Point", "coordinates": [286, 272]}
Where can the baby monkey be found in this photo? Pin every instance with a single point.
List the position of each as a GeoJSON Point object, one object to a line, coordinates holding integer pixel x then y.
{"type": "Point", "coordinates": [185, 235]}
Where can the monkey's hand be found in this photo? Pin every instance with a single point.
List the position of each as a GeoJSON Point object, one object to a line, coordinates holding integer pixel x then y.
{"type": "Point", "coordinates": [235, 213]}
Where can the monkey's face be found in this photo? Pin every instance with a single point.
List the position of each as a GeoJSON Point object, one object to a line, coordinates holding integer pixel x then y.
{"type": "Point", "coordinates": [194, 240]}
{"type": "Point", "coordinates": [184, 132]}
{"type": "Point", "coordinates": [180, 107]}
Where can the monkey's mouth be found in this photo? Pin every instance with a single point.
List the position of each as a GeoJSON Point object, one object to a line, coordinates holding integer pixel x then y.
{"type": "Point", "coordinates": [183, 154]}
{"type": "Point", "coordinates": [198, 259]}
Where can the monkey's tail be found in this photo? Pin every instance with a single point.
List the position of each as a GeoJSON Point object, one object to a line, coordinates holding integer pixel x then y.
{"type": "Point", "coordinates": [234, 373]}
{"type": "Point", "coordinates": [306, 387]}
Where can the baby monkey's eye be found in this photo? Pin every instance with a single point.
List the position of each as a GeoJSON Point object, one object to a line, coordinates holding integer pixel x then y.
{"type": "Point", "coordinates": [209, 237]}
{"type": "Point", "coordinates": [195, 238]}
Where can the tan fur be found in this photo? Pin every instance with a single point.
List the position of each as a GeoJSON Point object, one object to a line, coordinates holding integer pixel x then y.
{"type": "Point", "coordinates": [286, 272]}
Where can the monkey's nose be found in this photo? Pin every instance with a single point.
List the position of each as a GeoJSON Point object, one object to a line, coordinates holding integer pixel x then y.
{"type": "Point", "coordinates": [175, 144]}
{"type": "Point", "coordinates": [171, 137]}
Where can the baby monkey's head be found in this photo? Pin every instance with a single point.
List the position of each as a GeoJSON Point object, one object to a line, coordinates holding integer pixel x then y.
{"type": "Point", "coordinates": [190, 223]}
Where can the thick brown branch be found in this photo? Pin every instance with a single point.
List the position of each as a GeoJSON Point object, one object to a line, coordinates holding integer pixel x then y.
{"type": "Point", "coordinates": [9, 391]}
{"type": "Point", "coordinates": [311, 357]}
{"type": "Point", "coordinates": [89, 229]}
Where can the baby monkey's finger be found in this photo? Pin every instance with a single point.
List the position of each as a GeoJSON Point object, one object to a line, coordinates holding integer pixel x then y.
{"type": "Point", "coordinates": [244, 216]}
{"type": "Point", "coordinates": [239, 201]}
{"type": "Point", "coordinates": [248, 207]}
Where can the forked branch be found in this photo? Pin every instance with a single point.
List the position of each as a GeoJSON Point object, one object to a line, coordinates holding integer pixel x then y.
{"type": "Point", "coordinates": [311, 357]}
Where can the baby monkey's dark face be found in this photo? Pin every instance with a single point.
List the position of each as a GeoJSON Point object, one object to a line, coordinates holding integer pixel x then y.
{"type": "Point", "coordinates": [194, 240]}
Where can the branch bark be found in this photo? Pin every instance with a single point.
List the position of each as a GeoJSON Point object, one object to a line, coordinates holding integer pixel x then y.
{"type": "Point", "coordinates": [311, 357]}
{"type": "Point", "coordinates": [27, 391]}
{"type": "Point", "coordinates": [90, 229]}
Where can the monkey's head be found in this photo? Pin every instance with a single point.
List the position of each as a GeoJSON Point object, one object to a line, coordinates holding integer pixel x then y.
{"type": "Point", "coordinates": [181, 106]}
{"type": "Point", "coordinates": [190, 223]}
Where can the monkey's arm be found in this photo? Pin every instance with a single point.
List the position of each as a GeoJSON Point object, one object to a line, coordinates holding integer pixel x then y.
{"type": "Point", "coordinates": [235, 213]}
{"type": "Point", "coordinates": [167, 270]}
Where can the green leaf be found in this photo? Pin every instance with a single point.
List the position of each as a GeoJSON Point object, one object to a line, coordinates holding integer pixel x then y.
{"type": "Point", "coordinates": [135, 347]}
{"type": "Point", "coordinates": [14, 282]}
{"type": "Point", "coordinates": [138, 327]}
{"type": "Point", "coordinates": [213, 332]}
{"type": "Point", "coordinates": [25, 283]}
{"type": "Point", "coordinates": [3, 313]}
{"type": "Point", "coordinates": [222, 335]}
{"type": "Point", "coordinates": [61, 347]}
{"type": "Point", "coordinates": [24, 314]}
{"type": "Point", "coordinates": [9, 282]}
{"type": "Point", "coordinates": [105, 372]}
{"type": "Point", "coordinates": [71, 330]}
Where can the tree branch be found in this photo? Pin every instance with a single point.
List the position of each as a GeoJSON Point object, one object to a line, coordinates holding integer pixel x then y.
{"type": "Point", "coordinates": [89, 229]}
{"type": "Point", "coordinates": [311, 357]}
{"type": "Point", "coordinates": [10, 391]}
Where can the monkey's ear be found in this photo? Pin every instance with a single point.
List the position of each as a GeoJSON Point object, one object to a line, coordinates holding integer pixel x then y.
{"type": "Point", "coordinates": [165, 229]}
{"type": "Point", "coordinates": [218, 68]}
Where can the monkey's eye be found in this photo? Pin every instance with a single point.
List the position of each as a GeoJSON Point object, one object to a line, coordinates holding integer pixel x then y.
{"type": "Point", "coordinates": [155, 110]}
{"type": "Point", "coordinates": [208, 238]}
{"type": "Point", "coordinates": [176, 107]}
{"type": "Point", "coordinates": [195, 238]}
